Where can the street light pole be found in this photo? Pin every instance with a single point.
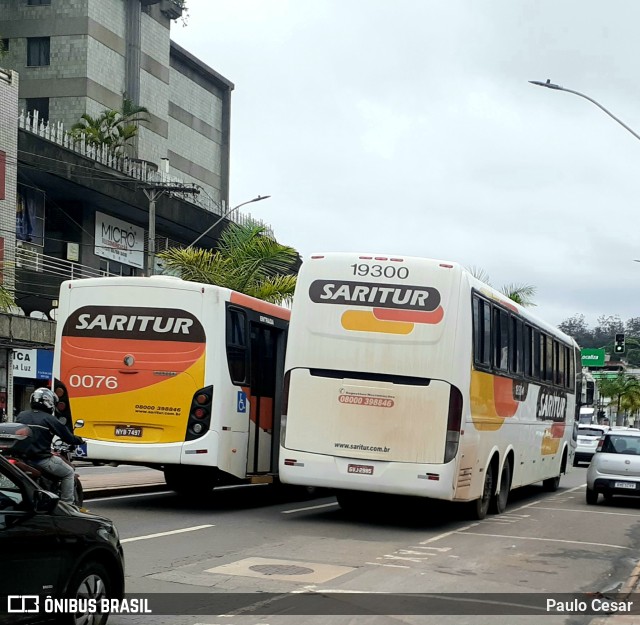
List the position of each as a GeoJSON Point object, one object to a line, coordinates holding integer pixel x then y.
{"type": "Point", "coordinates": [153, 192]}
{"type": "Point", "coordinates": [549, 85]}
{"type": "Point", "coordinates": [225, 215]}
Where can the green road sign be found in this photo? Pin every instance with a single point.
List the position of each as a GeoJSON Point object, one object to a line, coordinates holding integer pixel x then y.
{"type": "Point", "coordinates": [606, 375]}
{"type": "Point", "coordinates": [592, 357]}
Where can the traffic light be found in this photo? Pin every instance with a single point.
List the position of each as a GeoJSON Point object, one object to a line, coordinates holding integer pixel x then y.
{"type": "Point", "coordinates": [618, 346]}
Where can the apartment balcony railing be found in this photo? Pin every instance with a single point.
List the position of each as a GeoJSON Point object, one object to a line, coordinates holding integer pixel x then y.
{"type": "Point", "coordinates": [133, 168]}
{"type": "Point", "coordinates": [30, 260]}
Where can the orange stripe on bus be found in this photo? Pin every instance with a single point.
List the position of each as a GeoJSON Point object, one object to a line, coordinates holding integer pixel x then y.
{"type": "Point", "coordinates": [260, 306]}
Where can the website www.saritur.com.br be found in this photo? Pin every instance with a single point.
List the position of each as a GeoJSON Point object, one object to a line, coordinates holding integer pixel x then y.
{"type": "Point", "coordinates": [359, 447]}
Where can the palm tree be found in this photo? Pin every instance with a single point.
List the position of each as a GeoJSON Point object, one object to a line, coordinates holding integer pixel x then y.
{"type": "Point", "coordinates": [111, 128]}
{"type": "Point", "coordinates": [625, 390]}
{"type": "Point", "coordinates": [7, 300]}
{"type": "Point", "coordinates": [519, 293]}
{"type": "Point", "coordinates": [247, 260]}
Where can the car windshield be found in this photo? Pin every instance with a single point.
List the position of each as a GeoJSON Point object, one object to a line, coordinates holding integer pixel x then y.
{"type": "Point", "coordinates": [589, 432]}
{"type": "Point", "coordinates": [618, 444]}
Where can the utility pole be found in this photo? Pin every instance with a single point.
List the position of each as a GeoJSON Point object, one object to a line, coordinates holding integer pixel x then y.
{"type": "Point", "coordinates": [153, 192]}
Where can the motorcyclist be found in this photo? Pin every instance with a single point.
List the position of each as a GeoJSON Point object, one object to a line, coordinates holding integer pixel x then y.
{"type": "Point", "coordinates": [45, 426]}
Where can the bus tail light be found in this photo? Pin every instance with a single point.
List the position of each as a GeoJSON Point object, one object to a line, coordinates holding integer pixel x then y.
{"type": "Point", "coordinates": [285, 406]}
{"type": "Point", "coordinates": [454, 424]}
{"type": "Point", "coordinates": [199, 420]}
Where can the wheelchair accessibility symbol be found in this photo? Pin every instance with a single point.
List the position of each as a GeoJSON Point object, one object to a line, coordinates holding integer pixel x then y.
{"type": "Point", "coordinates": [242, 402]}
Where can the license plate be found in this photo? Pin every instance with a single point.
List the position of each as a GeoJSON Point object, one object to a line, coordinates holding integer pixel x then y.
{"type": "Point", "coordinates": [125, 430]}
{"type": "Point", "coordinates": [625, 485]}
{"type": "Point", "coordinates": [363, 469]}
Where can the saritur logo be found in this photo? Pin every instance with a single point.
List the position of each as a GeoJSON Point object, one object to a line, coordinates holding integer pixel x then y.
{"type": "Point", "coordinates": [21, 604]}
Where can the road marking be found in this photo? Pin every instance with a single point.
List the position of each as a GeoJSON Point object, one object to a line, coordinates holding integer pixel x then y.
{"type": "Point", "coordinates": [324, 505]}
{"type": "Point", "coordinates": [581, 511]}
{"type": "Point", "coordinates": [551, 540]}
{"type": "Point", "coordinates": [392, 566]}
{"type": "Point", "coordinates": [440, 549]}
{"type": "Point", "coordinates": [159, 534]}
{"type": "Point", "coordinates": [162, 492]}
{"type": "Point", "coordinates": [446, 534]}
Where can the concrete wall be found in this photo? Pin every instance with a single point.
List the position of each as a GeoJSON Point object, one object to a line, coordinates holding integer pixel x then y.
{"type": "Point", "coordinates": [9, 85]}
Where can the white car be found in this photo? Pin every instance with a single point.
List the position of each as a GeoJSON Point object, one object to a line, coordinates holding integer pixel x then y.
{"type": "Point", "coordinates": [615, 468]}
{"type": "Point", "coordinates": [588, 437]}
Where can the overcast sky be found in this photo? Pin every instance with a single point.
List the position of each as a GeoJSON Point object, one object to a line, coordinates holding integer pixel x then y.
{"type": "Point", "coordinates": [409, 127]}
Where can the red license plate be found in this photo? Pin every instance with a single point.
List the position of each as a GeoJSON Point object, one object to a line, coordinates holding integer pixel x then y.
{"type": "Point", "coordinates": [362, 469]}
{"type": "Point", "coordinates": [126, 430]}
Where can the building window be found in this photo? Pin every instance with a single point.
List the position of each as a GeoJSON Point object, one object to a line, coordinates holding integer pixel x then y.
{"type": "Point", "coordinates": [4, 45]}
{"type": "Point", "coordinates": [38, 51]}
{"type": "Point", "coordinates": [38, 3]}
{"type": "Point", "coordinates": [38, 104]}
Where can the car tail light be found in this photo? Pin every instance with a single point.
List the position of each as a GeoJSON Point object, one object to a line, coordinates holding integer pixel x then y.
{"type": "Point", "coordinates": [600, 444]}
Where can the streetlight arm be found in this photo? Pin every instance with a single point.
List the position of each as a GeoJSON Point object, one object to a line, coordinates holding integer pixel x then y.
{"type": "Point", "coordinates": [224, 216]}
{"type": "Point", "coordinates": [551, 85]}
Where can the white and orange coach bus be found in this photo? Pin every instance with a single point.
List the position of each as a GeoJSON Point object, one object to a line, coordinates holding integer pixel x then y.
{"type": "Point", "coordinates": [174, 375]}
{"type": "Point", "coordinates": [409, 376]}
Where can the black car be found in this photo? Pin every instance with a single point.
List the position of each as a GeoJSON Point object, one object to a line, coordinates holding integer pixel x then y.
{"type": "Point", "coordinates": [50, 549]}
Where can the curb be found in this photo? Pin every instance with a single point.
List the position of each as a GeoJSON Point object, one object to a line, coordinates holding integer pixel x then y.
{"type": "Point", "coordinates": [630, 586]}
{"type": "Point", "coordinates": [113, 491]}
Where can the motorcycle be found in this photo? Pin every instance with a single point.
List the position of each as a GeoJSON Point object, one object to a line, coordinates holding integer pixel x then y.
{"type": "Point", "coordinates": [14, 443]}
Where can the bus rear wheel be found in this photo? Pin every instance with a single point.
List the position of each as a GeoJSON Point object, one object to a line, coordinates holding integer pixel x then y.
{"type": "Point", "coordinates": [480, 507]}
{"type": "Point", "coordinates": [499, 500]}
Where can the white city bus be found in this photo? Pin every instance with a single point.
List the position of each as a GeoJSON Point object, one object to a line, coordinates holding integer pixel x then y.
{"type": "Point", "coordinates": [409, 376]}
{"type": "Point", "coordinates": [174, 375]}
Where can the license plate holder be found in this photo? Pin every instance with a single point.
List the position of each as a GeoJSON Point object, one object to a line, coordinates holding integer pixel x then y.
{"type": "Point", "coordinates": [360, 469]}
{"type": "Point", "coordinates": [127, 430]}
{"type": "Point", "coordinates": [628, 485]}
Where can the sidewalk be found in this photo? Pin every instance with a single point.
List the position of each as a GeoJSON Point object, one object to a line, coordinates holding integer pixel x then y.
{"type": "Point", "coordinates": [110, 481]}
{"type": "Point", "coordinates": [631, 590]}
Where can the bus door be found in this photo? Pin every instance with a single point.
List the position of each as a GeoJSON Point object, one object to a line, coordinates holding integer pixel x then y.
{"type": "Point", "coordinates": [266, 360]}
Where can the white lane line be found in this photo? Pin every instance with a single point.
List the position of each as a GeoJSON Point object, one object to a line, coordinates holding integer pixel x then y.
{"type": "Point", "coordinates": [446, 534]}
{"type": "Point", "coordinates": [324, 505]}
{"type": "Point", "coordinates": [550, 540]}
{"type": "Point", "coordinates": [159, 534]}
{"type": "Point", "coordinates": [581, 511]}
{"type": "Point", "coordinates": [162, 492]}
{"type": "Point", "coordinates": [391, 566]}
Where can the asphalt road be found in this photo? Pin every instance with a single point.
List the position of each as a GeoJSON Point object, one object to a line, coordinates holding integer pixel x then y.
{"type": "Point", "coordinates": [253, 540]}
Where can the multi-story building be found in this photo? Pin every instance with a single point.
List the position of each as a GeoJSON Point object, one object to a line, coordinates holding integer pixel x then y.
{"type": "Point", "coordinates": [78, 57]}
{"type": "Point", "coordinates": [71, 210]}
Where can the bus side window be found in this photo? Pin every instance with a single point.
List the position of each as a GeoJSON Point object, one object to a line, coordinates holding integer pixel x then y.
{"type": "Point", "coordinates": [237, 352]}
{"type": "Point", "coordinates": [548, 370]}
{"type": "Point", "coordinates": [481, 332]}
{"type": "Point", "coordinates": [501, 339]}
{"type": "Point", "coordinates": [528, 340]}
{"type": "Point", "coordinates": [535, 341]}
{"type": "Point", "coordinates": [517, 353]}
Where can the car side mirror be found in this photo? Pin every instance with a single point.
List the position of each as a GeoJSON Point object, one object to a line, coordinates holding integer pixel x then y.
{"type": "Point", "coordinates": [44, 501]}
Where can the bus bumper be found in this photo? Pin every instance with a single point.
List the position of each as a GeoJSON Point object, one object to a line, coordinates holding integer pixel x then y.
{"type": "Point", "coordinates": [435, 481]}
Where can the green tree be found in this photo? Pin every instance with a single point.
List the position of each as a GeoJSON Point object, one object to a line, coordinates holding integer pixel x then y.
{"type": "Point", "coordinates": [113, 129]}
{"type": "Point", "coordinates": [7, 300]}
{"type": "Point", "coordinates": [519, 293]}
{"type": "Point", "coordinates": [577, 328]}
{"type": "Point", "coordinates": [624, 390]}
{"type": "Point", "coordinates": [247, 260]}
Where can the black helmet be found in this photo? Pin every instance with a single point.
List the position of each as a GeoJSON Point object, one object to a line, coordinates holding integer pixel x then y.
{"type": "Point", "coordinates": [43, 399]}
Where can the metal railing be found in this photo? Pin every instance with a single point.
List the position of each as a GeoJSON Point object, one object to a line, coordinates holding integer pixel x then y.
{"type": "Point", "coordinates": [143, 171]}
{"type": "Point", "coordinates": [30, 260]}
